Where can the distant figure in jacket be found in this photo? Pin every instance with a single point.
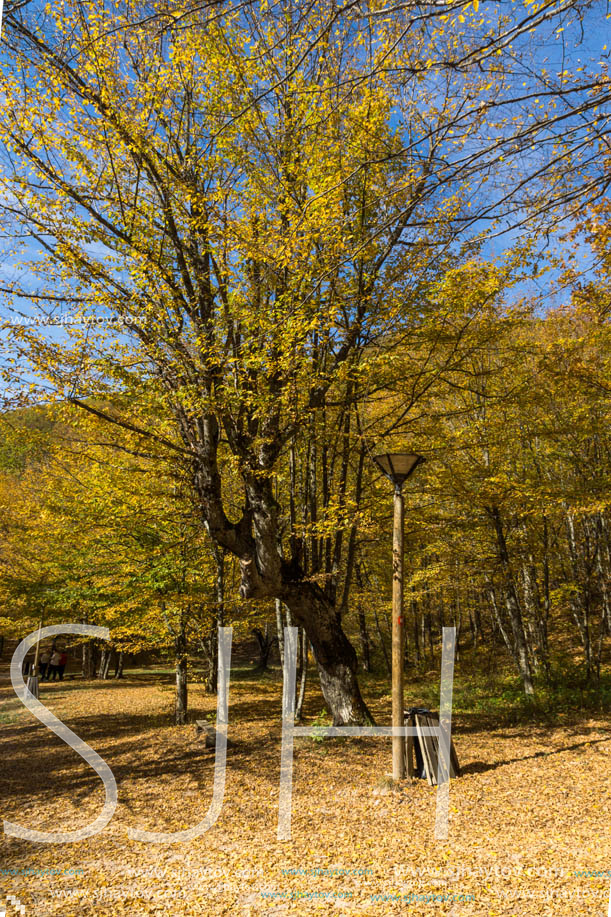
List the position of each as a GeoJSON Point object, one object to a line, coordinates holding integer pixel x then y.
{"type": "Point", "coordinates": [61, 665]}
{"type": "Point", "coordinates": [44, 663]}
{"type": "Point", "coordinates": [53, 666]}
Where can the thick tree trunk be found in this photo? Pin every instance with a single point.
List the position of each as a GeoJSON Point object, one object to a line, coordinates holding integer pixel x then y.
{"type": "Point", "coordinates": [88, 666]}
{"type": "Point", "coordinates": [334, 654]}
{"type": "Point", "coordinates": [265, 574]}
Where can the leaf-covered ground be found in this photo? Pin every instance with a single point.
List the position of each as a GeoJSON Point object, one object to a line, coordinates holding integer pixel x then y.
{"type": "Point", "coordinates": [529, 817]}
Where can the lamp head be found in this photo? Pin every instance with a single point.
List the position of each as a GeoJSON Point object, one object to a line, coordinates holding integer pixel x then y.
{"type": "Point", "coordinates": [397, 466]}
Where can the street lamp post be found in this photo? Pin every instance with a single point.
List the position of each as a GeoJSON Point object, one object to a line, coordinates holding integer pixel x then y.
{"type": "Point", "coordinates": [397, 467]}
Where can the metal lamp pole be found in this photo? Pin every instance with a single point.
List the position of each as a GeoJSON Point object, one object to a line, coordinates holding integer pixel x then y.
{"type": "Point", "coordinates": [397, 467]}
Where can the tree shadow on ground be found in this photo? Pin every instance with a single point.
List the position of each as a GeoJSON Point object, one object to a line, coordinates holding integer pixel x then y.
{"type": "Point", "coordinates": [481, 767]}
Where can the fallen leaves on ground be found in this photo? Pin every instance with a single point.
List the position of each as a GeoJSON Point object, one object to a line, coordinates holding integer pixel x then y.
{"type": "Point", "coordinates": [528, 814]}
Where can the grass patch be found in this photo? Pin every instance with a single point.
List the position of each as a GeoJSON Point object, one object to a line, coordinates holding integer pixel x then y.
{"type": "Point", "coordinates": [498, 695]}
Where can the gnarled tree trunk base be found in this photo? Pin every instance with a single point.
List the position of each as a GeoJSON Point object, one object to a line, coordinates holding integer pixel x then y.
{"type": "Point", "coordinates": [334, 654]}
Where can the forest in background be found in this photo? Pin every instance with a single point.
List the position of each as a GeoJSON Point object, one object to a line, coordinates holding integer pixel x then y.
{"type": "Point", "coordinates": [508, 521]}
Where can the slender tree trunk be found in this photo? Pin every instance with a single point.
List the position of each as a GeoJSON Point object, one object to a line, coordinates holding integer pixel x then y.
{"type": "Point", "coordinates": [519, 639]}
{"type": "Point", "coordinates": [351, 562]}
{"type": "Point", "coordinates": [119, 664]}
{"type": "Point", "coordinates": [266, 642]}
{"type": "Point", "coordinates": [457, 622]}
{"type": "Point", "coordinates": [537, 615]}
{"type": "Point", "coordinates": [473, 598]}
{"type": "Point", "coordinates": [210, 643]}
{"type": "Point", "coordinates": [104, 662]}
{"type": "Point", "coordinates": [382, 642]}
{"type": "Point", "coordinates": [605, 563]}
{"type": "Point", "coordinates": [513, 605]}
{"type": "Point", "coordinates": [473, 631]}
{"type": "Point", "coordinates": [364, 638]}
{"type": "Point", "coordinates": [547, 603]}
{"type": "Point", "coordinates": [579, 598]}
{"type": "Point", "coordinates": [440, 612]}
{"type": "Point", "coordinates": [604, 576]}
{"type": "Point", "coordinates": [88, 668]}
{"type": "Point", "coordinates": [363, 630]}
{"type": "Point", "coordinates": [499, 622]}
{"type": "Point", "coordinates": [428, 619]}
{"type": "Point", "coordinates": [416, 618]}
{"type": "Point", "coordinates": [280, 631]}
{"type": "Point", "coordinates": [479, 630]}
{"type": "Point", "coordinates": [601, 637]}
{"type": "Point", "coordinates": [180, 653]}
{"type": "Point", "coordinates": [304, 676]}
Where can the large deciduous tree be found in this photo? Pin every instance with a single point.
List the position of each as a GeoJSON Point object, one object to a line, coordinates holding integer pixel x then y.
{"type": "Point", "coordinates": [260, 194]}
